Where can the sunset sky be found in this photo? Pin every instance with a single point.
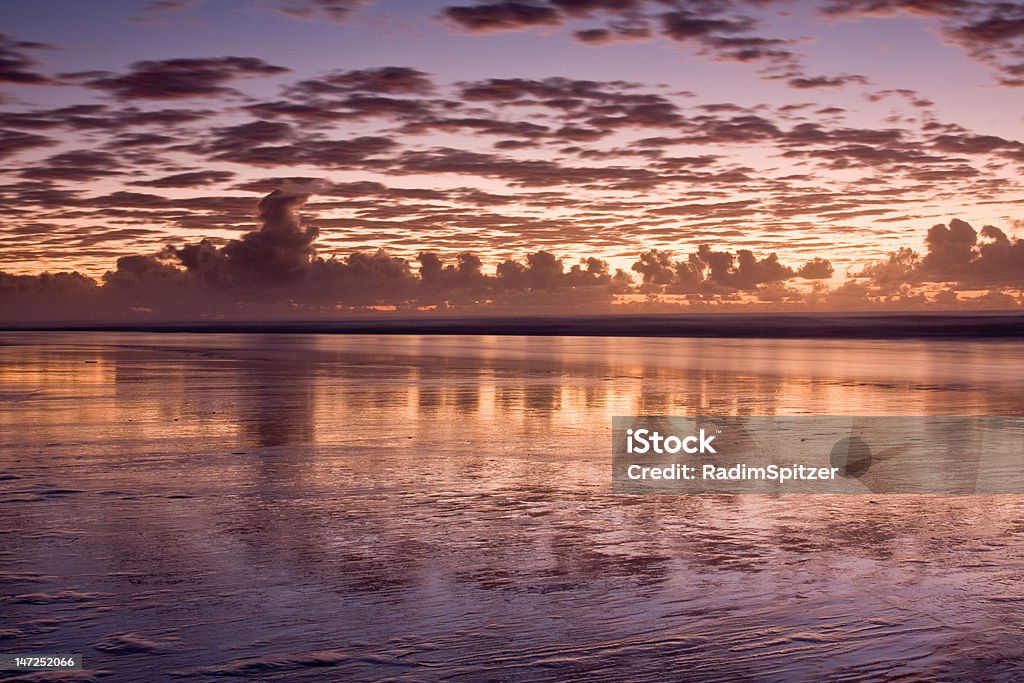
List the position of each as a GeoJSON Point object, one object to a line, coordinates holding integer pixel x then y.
{"type": "Point", "coordinates": [831, 134]}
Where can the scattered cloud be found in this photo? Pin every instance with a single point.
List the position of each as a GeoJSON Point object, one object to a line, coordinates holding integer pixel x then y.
{"type": "Point", "coordinates": [387, 80]}
{"type": "Point", "coordinates": [170, 5]}
{"type": "Point", "coordinates": [332, 10]}
{"type": "Point", "coordinates": [191, 179]}
{"type": "Point", "coordinates": [720, 30]}
{"type": "Point", "coordinates": [13, 142]}
{"type": "Point", "coordinates": [989, 31]}
{"type": "Point", "coordinates": [16, 66]}
{"type": "Point", "coordinates": [810, 82]}
{"type": "Point", "coordinates": [75, 166]}
{"type": "Point", "coordinates": [501, 16]}
{"type": "Point", "coordinates": [170, 79]}
{"type": "Point", "coordinates": [481, 191]}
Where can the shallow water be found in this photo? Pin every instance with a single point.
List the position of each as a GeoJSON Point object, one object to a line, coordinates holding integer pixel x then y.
{"type": "Point", "coordinates": [311, 507]}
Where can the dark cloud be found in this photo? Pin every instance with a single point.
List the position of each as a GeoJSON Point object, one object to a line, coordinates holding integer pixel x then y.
{"type": "Point", "coordinates": [721, 30]}
{"type": "Point", "coordinates": [989, 31]}
{"type": "Point", "coordinates": [334, 10]}
{"type": "Point", "coordinates": [360, 152]}
{"type": "Point", "coordinates": [279, 252]}
{"type": "Point", "coordinates": [732, 130]}
{"type": "Point", "coordinates": [618, 34]}
{"type": "Point", "coordinates": [752, 49]}
{"type": "Point", "coordinates": [811, 82]}
{"type": "Point", "coordinates": [13, 142]}
{"type": "Point", "coordinates": [562, 94]}
{"type": "Point", "coordinates": [955, 255]}
{"type": "Point", "coordinates": [390, 80]}
{"type": "Point", "coordinates": [543, 271]}
{"type": "Point", "coordinates": [709, 272]}
{"type": "Point", "coordinates": [75, 166]}
{"type": "Point", "coordinates": [362, 188]}
{"type": "Point", "coordinates": [816, 269]}
{"type": "Point", "coordinates": [733, 209]}
{"type": "Point", "coordinates": [16, 67]}
{"type": "Point", "coordinates": [354, 107]}
{"type": "Point", "coordinates": [135, 140]}
{"type": "Point", "coordinates": [628, 19]}
{"type": "Point", "coordinates": [170, 79]}
{"type": "Point", "coordinates": [523, 173]}
{"type": "Point", "coordinates": [687, 25]}
{"type": "Point", "coordinates": [911, 96]}
{"type": "Point", "coordinates": [501, 16]}
{"type": "Point", "coordinates": [169, 5]}
{"type": "Point", "coordinates": [970, 143]}
{"type": "Point", "coordinates": [385, 92]}
{"type": "Point", "coordinates": [480, 125]}
{"type": "Point", "coordinates": [53, 296]}
{"type": "Point", "coordinates": [309, 113]}
{"type": "Point", "coordinates": [158, 117]}
{"type": "Point", "coordinates": [438, 279]}
{"type": "Point", "coordinates": [192, 179]}
{"type": "Point", "coordinates": [250, 134]}
{"type": "Point", "coordinates": [26, 200]}
{"type": "Point", "coordinates": [882, 7]}
{"type": "Point", "coordinates": [586, 8]}
{"type": "Point", "coordinates": [98, 117]}
{"type": "Point", "coordinates": [156, 12]}
{"type": "Point", "coordinates": [894, 149]}
{"type": "Point", "coordinates": [275, 143]}
{"type": "Point", "coordinates": [744, 271]}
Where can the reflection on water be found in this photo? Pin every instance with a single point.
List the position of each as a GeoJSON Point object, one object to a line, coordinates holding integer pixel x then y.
{"type": "Point", "coordinates": [422, 508]}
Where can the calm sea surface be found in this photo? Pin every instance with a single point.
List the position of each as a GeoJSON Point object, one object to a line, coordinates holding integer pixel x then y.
{"type": "Point", "coordinates": [316, 507]}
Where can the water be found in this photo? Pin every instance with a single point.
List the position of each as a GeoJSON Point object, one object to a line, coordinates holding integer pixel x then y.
{"type": "Point", "coordinates": [305, 507]}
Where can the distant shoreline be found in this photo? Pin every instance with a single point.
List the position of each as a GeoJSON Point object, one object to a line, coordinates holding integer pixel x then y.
{"type": "Point", "coordinates": [724, 325]}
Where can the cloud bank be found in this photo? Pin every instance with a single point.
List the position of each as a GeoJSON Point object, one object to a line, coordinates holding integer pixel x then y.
{"type": "Point", "coordinates": [990, 32]}
{"type": "Point", "coordinates": [275, 272]}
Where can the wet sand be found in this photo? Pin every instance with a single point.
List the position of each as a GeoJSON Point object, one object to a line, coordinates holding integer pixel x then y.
{"type": "Point", "coordinates": [311, 507]}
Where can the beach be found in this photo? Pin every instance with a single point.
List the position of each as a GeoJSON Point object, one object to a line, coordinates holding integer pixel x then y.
{"type": "Point", "coordinates": [417, 507]}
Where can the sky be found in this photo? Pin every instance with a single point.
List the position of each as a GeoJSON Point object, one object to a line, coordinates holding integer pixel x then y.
{"type": "Point", "coordinates": [306, 158]}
